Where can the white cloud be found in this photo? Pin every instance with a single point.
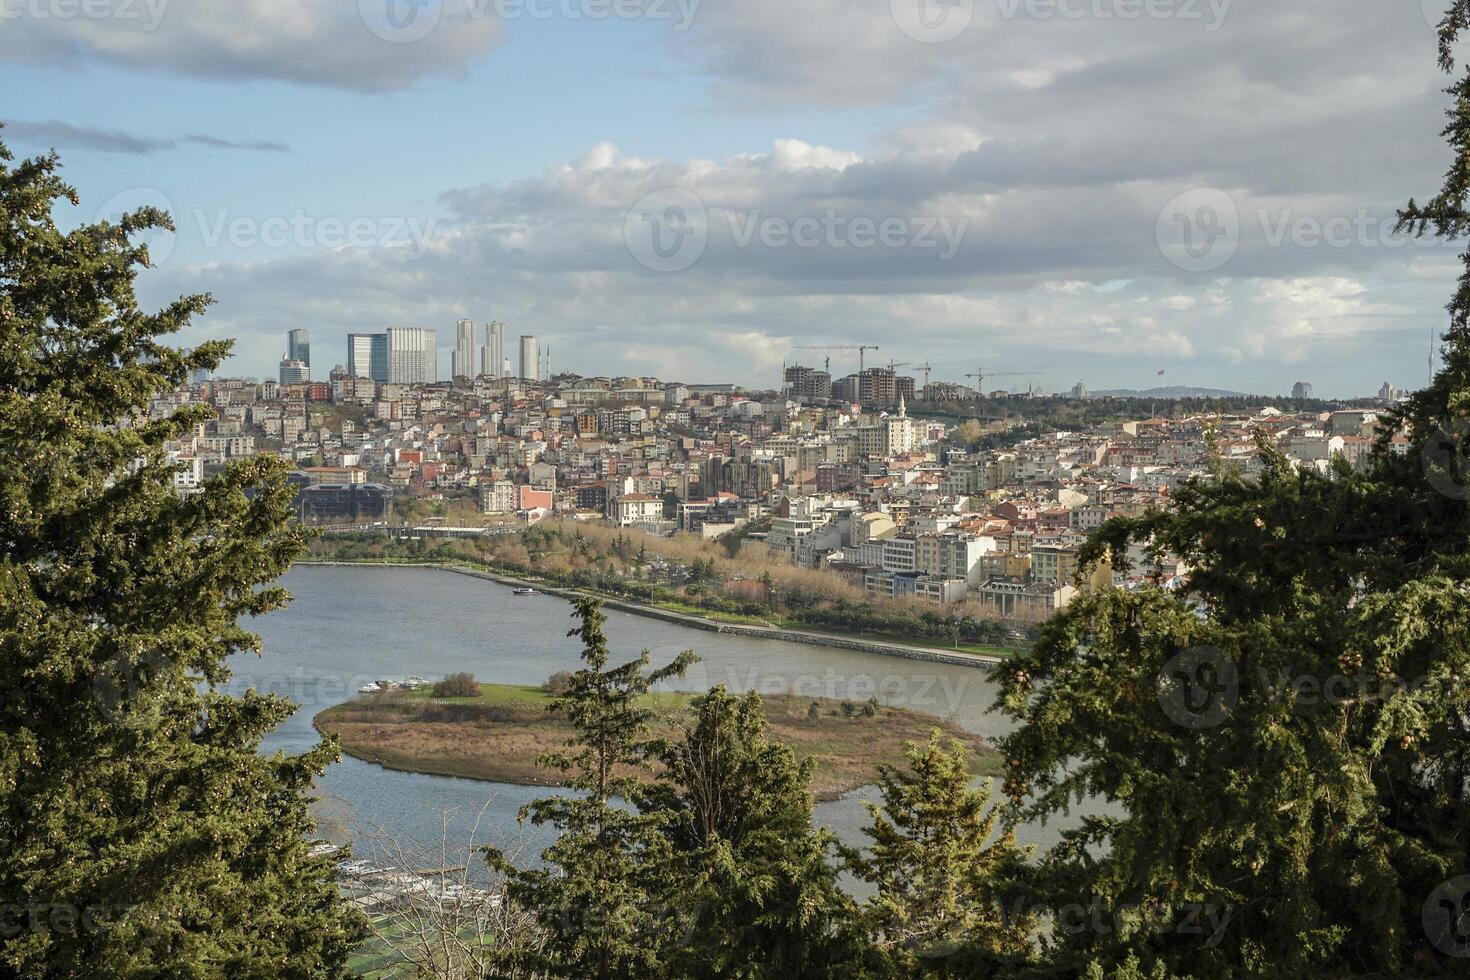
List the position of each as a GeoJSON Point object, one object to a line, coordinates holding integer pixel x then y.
{"type": "Point", "coordinates": [313, 42]}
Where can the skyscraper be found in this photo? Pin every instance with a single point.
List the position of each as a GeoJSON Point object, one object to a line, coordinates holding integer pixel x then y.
{"type": "Point", "coordinates": [298, 348]}
{"type": "Point", "coordinates": [464, 349]}
{"type": "Point", "coordinates": [530, 359]}
{"type": "Point", "coordinates": [413, 355]}
{"type": "Point", "coordinates": [492, 355]}
{"type": "Point", "coordinates": [367, 356]}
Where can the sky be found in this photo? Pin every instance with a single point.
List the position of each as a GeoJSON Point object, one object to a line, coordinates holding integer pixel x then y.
{"type": "Point", "coordinates": [1069, 190]}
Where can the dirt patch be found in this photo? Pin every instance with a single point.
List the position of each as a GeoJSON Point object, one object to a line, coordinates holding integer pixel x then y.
{"type": "Point", "coordinates": [499, 737]}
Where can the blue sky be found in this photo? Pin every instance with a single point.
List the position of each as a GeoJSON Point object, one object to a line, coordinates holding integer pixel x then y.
{"type": "Point", "coordinates": [503, 167]}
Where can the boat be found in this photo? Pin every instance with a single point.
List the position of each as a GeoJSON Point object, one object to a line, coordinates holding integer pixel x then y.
{"type": "Point", "coordinates": [370, 688]}
{"type": "Point", "coordinates": [527, 590]}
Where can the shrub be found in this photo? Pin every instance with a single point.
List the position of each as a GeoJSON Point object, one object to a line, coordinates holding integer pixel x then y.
{"type": "Point", "coordinates": [460, 685]}
{"type": "Point", "coordinates": [558, 684]}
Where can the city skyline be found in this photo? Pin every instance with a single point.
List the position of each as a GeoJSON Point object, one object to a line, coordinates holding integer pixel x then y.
{"type": "Point", "coordinates": [1067, 236]}
{"type": "Point", "coordinates": [367, 357]}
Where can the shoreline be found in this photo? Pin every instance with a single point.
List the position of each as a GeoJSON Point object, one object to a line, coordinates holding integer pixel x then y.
{"type": "Point", "coordinates": [810, 638]}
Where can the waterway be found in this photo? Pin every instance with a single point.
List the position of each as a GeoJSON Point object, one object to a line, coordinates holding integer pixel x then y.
{"type": "Point", "coordinates": [348, 626]}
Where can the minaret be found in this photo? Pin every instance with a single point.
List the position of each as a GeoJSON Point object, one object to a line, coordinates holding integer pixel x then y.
{"type": "Point", "coordinates": [903, 409]}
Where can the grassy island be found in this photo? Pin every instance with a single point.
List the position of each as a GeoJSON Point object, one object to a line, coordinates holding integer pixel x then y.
{"type": "Point", "coordinates": [499, 734]}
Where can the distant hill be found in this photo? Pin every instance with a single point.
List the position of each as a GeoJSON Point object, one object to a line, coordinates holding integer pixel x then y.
{"type": "Point", "coordinates": [1174, 391]}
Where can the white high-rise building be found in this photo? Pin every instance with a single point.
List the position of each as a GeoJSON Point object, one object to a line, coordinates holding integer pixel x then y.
{"type": "Point", "coordinates": [530, 359]}
{"type": "Point", "coordinates": [413, 355]}
{"type": "Point", "coordinates": [464, 349]}
{"type": "Point", "coordinates": [492, 355]}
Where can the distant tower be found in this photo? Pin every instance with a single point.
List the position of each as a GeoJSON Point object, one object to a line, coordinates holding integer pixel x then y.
{"type": "Point", "coordinates": [1302, 390]}
{"type": "Point", "coordinates": [464, 349]}
{"type": "Point", "coordinates": [492, 355]}
{"type": "Point", "coordinates": [413, 356]}
{"type": "Point", "coordinates": [298, 348]}
{"type": "Point", "coordinates": [530, 359]}
{"type": "Point", "coordinates": [367, 356]}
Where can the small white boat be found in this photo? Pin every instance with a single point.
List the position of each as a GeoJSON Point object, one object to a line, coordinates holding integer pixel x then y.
{"type": "Point", "coordinates": [526, 591]}
{"type": "Point", "coordinates": [372, 687]}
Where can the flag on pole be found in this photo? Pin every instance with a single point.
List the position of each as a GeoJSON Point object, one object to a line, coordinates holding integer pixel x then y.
{"type": "Point", "coordinates": [1161, 373]}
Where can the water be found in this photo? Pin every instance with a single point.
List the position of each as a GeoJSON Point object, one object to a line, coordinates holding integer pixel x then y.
{"type": "Point", "coordinates": [349, 626]}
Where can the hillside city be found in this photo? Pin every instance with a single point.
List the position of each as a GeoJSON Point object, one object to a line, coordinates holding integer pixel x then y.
{"type": "Point", "coordinates": [843, 475]}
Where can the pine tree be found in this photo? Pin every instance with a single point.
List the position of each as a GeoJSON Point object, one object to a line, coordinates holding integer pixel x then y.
{"type": "Point", "coordinates": [1291, 771]}
{"type": "Point", "coordinates": [141, 833]}
{"type": "Point", "coordinates": [938, 866]}
{"type": "Point", "coordinates": [599, 898]}
{"type": "Point", "coordinates": [746, 860]}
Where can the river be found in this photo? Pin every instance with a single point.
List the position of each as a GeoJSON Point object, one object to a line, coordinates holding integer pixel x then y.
{"type": "Point", "coordinates": [348, 626]}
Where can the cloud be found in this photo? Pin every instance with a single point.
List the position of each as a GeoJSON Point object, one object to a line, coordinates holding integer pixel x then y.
{"type": "Point", "coordinates": [57, 134]}
{"type": "Point", "coordinates": [1052, 146]}
{"type": "Point", "coordinates": [358, 45]}
{"type": "Point", "coordinates": [1028, 292]}
{"type": "Point", "coordinates": [266, 146]}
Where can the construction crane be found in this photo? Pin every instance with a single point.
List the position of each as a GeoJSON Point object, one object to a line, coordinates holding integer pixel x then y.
{"type": "Point", "coordinates": [926, 368]}
{"type": "Point", "coordinates": [895, 365]}
{"type": "Point", "coordinates": [982, 374]}
{"type": "Point", "coordinates": [861, 349]}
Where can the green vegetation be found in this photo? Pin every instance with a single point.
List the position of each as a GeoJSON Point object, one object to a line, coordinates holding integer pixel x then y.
{"type": "Point", "coordinates": [1298, 760]}
{"type": "Point", "coordinates": [142, 833]}
{"type": "Point", "coordinates": [1282, 755]}
{"type": "Point", "coordinates": [935, 856]}
{"type": "Point", "coordinates": [457, 686]}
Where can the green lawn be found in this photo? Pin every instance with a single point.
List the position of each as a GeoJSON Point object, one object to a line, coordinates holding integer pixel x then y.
{"type": "Point", "coordinates": [524, 697]}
